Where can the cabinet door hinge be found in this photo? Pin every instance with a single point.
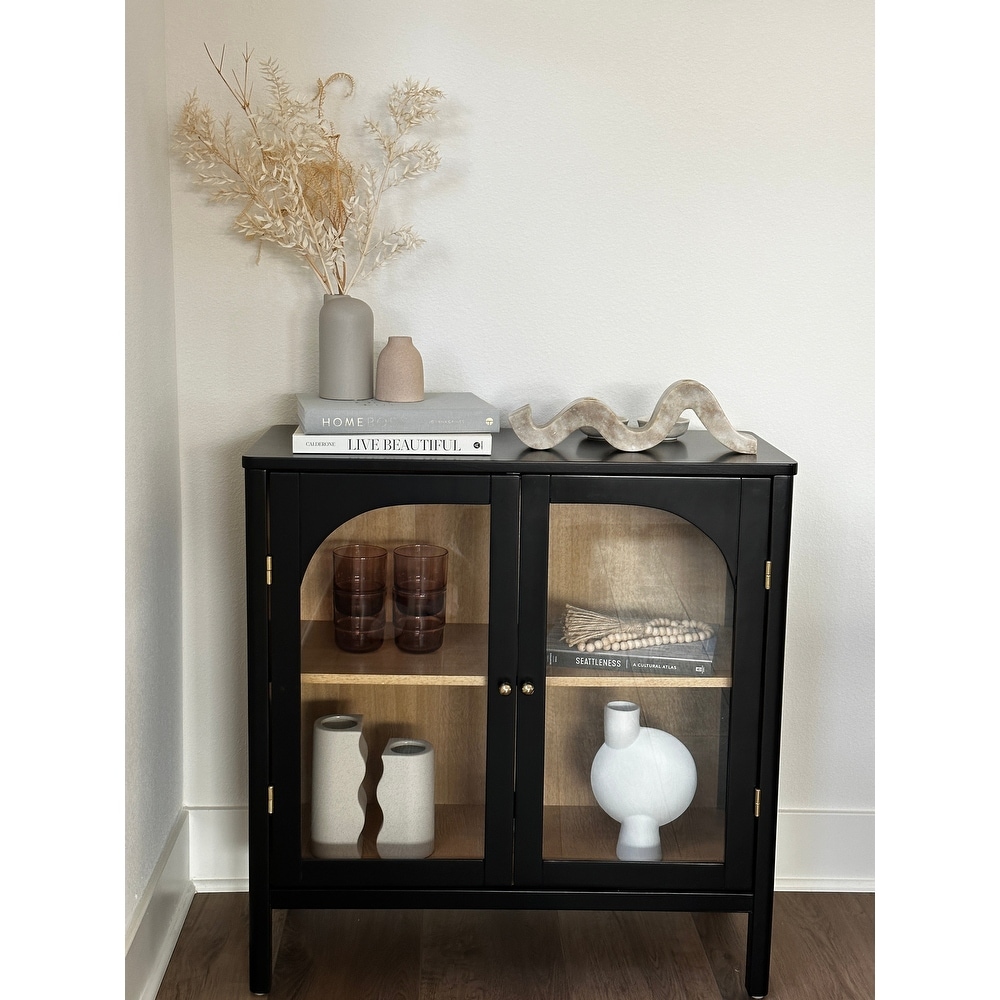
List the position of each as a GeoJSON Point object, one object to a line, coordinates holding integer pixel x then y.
{"type": "Point", "coordinates": [268, 571]}
{"type": "Point", "coordinates": [270, 799]}
{"type": "Point", "coordinates": [756, 803]}
{"type": "Point", "coordinates": [767, 575]}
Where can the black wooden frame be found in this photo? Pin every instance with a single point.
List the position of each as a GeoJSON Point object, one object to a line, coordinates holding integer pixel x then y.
{"type": "Point", "coordinates": [292, 502]}
{"type": "Point", "coordinates": [733, 513]}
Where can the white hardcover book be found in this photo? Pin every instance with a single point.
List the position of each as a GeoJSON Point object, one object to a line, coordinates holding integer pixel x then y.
{"type": "Point", "coordinates": [387, 445]}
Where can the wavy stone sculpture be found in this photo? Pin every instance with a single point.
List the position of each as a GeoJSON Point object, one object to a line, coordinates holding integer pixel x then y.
{"type": "Point", "coordinates": [685, 394]}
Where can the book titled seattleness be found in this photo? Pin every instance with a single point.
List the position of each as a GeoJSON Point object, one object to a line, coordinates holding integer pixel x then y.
{"type": "Point", "coordinates": [437, 412]}
{"type": "Point", "coordinates": [692, 659]}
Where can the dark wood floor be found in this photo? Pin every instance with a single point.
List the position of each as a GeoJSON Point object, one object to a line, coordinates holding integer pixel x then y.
{"type": "Point", "coordinates": [824, 947]}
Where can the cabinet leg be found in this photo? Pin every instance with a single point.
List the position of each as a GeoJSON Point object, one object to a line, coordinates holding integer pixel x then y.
{"type": "Point", "coordinates": [759, 947]}
{"type": "Point", "coordinates": [260, 946]}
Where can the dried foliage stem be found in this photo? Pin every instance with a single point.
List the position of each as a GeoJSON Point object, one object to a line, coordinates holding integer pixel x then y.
{"type": "Point", "coordinates": [243, 93]}
{"type": "Point", "coordinates": [293, 183]}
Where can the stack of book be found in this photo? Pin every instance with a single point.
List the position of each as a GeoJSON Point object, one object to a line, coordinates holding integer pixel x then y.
{"type": "Point", "coordinates": [442, 423]}
{"type": "Point", "coordinates": [691, 659]}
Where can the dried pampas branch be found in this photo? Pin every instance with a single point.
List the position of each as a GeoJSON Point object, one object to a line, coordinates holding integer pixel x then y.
{"type": "Point", "coordinates": [284, 168]}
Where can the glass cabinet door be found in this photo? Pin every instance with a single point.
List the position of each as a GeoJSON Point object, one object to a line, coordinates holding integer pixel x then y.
{"type": "Point", "coordinates": [636, 684]}
{"type": "Point", "coordinates": [389, 694]}
{"type": "Point", "coordinates": [412, 684]}
{"type": "Point", "coordinates": [638, 674]}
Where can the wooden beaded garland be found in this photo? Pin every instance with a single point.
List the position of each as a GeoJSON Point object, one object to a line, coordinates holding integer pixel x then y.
{"type": "Point", "coordinates": [591, 631]}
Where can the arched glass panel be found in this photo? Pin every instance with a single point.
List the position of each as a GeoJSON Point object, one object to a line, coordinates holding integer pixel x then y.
{"type": "Point", "coordinates": [638, 679]}
{"type": "Point", "coordinates": [411, 690]}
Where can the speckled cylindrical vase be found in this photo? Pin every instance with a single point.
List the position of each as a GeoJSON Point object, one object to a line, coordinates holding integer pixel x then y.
{"type": "Point", "coordinates": [340, 755]}
{"type": "Point", "coordinates": [406, 794]}
{"type": "Point", "coordinates": [399, 376]}
{"type": "Point", "coordinates": [346, 348]}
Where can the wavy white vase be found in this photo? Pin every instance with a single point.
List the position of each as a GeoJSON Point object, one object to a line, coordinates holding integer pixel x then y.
{"type": "Point", "coordinates": [340, 755]}
{"type": "Point", "coordinates": [644, 778]}
{"type": "Point", "coordinates": [406, 794]}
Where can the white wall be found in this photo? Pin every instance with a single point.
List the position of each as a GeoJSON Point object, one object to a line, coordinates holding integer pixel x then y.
{"type": "Point", "coordinates": [153, 675]}
{"type": "Point", "coordinates": [631, 193]}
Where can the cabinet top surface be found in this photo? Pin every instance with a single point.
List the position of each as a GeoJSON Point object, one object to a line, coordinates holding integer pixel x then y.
{"type": "Point", "coordinates": [697, 453]}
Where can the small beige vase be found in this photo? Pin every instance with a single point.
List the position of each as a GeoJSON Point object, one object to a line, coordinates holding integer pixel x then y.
{"type": "Point", "coordinates": [399, 375]}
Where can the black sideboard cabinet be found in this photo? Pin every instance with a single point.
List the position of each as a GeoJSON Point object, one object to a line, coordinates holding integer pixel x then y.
{"type": "Point", "coordinates": [686, 530]}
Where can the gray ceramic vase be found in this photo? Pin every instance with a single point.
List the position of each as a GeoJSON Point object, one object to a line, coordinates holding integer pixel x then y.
{"type": "Point", "coordinates": [346, 348]}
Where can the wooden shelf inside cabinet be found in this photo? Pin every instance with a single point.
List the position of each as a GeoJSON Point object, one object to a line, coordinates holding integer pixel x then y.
{"type": "Point", "coordinates": [458, 831]}
{"type": "Point", "coordinates": [569, 677]}
{"type": "Point", "coordinates": [460, 662]}
{"type": "Point", "coordinates": [587, 833]}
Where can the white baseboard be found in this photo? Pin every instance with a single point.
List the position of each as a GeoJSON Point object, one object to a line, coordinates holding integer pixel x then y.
{"type": "Point", "coordinates": [159, 917]}
{"type": "Point", "coordinates": [818, 850]}
{"type": "Point", "coordinates": [825, 851]}
{"type": "Point", "coordinates": [220, 854]}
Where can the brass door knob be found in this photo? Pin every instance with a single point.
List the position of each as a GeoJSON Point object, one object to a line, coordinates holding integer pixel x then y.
{"type": "Point", "coordinates": [527, 688]}
{"type": "Point", "coordinates": [505, 688]}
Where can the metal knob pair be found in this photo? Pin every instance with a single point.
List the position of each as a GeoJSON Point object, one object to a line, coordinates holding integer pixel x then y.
{"type": "Point", "coordinates": [526, 688]}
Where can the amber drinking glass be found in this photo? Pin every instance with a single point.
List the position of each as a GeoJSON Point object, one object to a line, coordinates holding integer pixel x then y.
{"type": "Point", "coordinates": [420, 579]}
{"type": "Point", "coordinates": [359, 573]}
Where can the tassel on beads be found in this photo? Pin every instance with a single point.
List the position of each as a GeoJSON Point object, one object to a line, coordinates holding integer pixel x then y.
{"type": "Point", "coordinates": [590, 631]}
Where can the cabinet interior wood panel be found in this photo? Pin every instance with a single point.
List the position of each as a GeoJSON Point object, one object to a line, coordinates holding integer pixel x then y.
{"type": "Point", "coordinates": [574, 727]}
{"type": "Point", "coordinates": [463, 529]}
{"type": "Point", "coordinates": [452, 718]}
{"type": "Point", "coordinates": [629, 561]}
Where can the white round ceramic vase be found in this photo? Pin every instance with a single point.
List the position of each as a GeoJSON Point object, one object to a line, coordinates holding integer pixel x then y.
{"type": "Point", "coordinates": [340, 756]}
{"type": "Point", "coordinates": [643, 778]}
